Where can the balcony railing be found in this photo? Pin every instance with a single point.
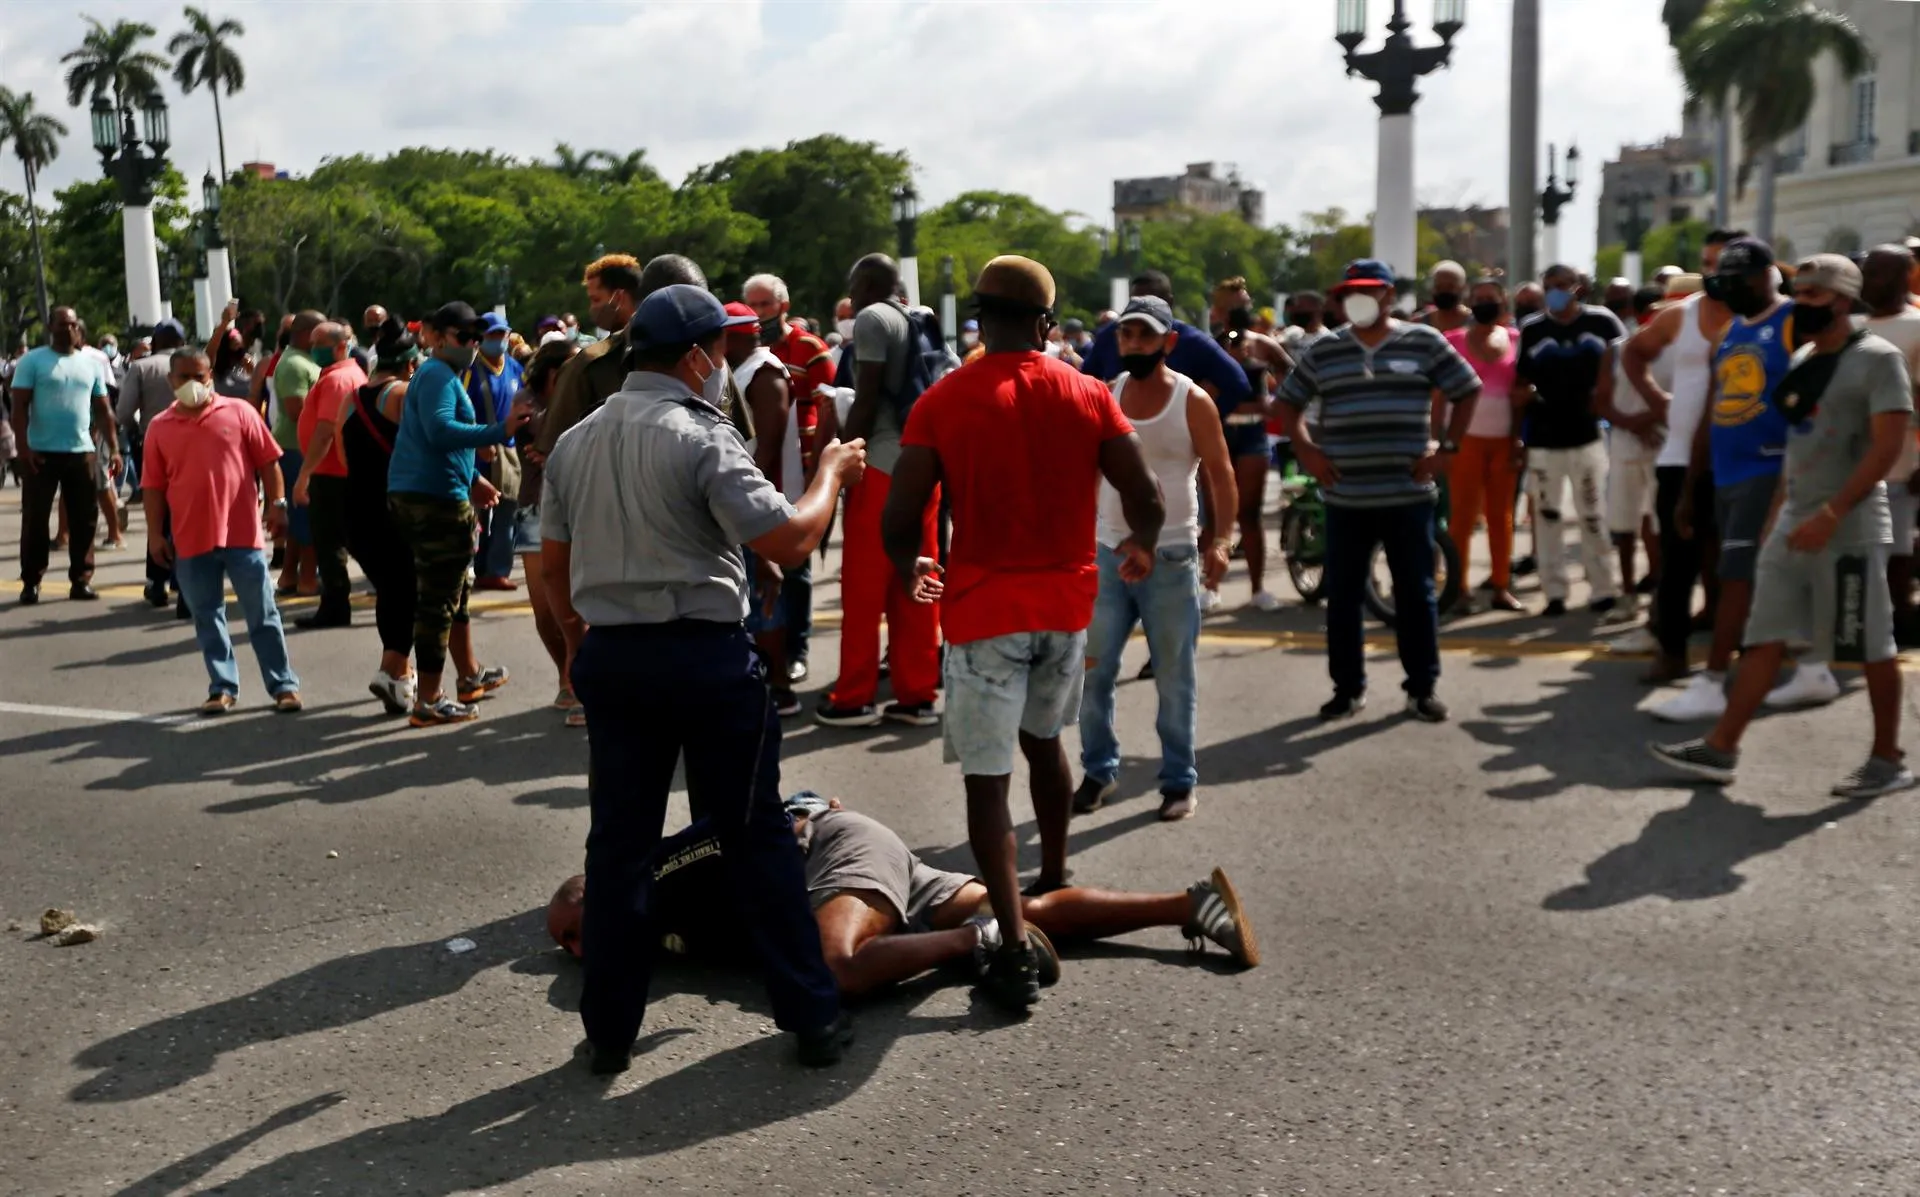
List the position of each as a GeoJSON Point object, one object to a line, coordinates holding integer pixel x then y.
{"type": "Point", "coordinates": [1851, 154]}
{"type": "Point", "coordinates": [1790, 163]}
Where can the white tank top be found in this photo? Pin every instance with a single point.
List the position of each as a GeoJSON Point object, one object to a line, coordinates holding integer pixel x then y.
{"type": "Point", "coordinates": [1170, 455]}
{"type": "Point", "coordinates": [793, 478]}
{"type": "Point", "coordinates": [1691, 355]}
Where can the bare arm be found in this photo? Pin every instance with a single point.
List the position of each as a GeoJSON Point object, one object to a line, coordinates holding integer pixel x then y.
{"type": "Point", "coordinates": [768, 396]}
{"type": "Point", "coordinates": [1217, 491]}
{"type": "Point", "coordinates": [1123, 463]}
{"type": "Point", "coordinates": [1637, 358]}
{"type": "Point", "coordinates": [1456, 426]}
{"type": "Point", "coordinates": [915, 475]}
{"type": "Point", "coordinates": [869, 379]}
{"type": "Point", "coordinates": [1603, 395]}
{"type": "Point", "coordinates": [556, 575]}
{"type": "Point", "coordinates": [792, 542]}
{"type": "Point", "coordinates": [154, 504]}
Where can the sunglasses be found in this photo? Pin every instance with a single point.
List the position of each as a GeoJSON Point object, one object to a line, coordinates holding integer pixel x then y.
{"type": "Point", "coordinates": [463, 336]}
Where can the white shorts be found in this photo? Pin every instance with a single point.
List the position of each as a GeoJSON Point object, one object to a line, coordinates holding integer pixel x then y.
{"type": "Point", "coordinates": [1630, 487]}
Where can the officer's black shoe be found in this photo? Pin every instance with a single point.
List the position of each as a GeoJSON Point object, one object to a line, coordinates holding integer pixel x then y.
{"type": "Point", "coordinates": [156, 595]}
{"type": "Point", "coordinates": [80, 592]}
{"type": "Point", "coordinates": [824, 1047]}
{"type": "Point", "coordinates": [29, 593]}
{"type": "Point", "coordinates": [1013, 978]}
{"type": "Point", "coordinates": [604, 1061]}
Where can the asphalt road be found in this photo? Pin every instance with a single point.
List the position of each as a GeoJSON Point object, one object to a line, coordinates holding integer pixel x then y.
{"type": "Point", "coordinates": [1503, 955]}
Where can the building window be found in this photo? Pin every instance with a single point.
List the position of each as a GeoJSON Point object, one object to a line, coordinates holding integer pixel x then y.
{"type": "Point", "coordinates": [1865, 97]}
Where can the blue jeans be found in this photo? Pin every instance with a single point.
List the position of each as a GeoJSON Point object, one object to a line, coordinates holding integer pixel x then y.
{"type": "Point", "coordinates": [203, 584]}
{"type": "Point", "coordinates": [1167, 606]}
{"type": "Point", "coordinates": [1406, 531]}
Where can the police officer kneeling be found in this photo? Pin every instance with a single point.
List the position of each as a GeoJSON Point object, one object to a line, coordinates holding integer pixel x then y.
{"type": "Point", "coordinates": [646, 504]}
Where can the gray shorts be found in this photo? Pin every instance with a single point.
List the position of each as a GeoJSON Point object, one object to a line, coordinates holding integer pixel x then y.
{"type": "Point", "coordinates": [847, 850]}
{"type": "Point", "coordinates": [1904, 506]}
{"type": "Point", "coordinates": [999, 687]}
{"type": "Point", "coordinates": [1836, 599]}
{"type": "Point", "coordinates": [1741, 511]}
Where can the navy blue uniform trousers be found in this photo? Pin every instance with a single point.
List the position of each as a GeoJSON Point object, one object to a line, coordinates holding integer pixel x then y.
{"type": "Point", "coordinates": [654, 694]}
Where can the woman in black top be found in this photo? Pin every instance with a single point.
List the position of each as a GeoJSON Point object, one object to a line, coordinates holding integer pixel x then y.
{"type": "Point", "coordinates": [368, 424]}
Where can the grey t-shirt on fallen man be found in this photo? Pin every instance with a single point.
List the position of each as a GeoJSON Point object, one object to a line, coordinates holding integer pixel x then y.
{"type": "Point", "coordinates": [881, 333]}
{"type": "Point", "coordinates": [1868, 378]}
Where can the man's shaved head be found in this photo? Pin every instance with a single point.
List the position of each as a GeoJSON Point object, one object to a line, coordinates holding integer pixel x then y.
{"type": "Point", "coordinates": [669, 269]}
{"type": "Point", "coordinates": [301, 330]}
{"type": "Point", "coordinates": [328, 334]}
{"type": "Point", "coordinates": [565, 912]}
{"type": "Point", "coordinates": [872, 280]}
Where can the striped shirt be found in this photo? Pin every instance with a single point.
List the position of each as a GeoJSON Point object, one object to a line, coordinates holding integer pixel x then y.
{"type": "Point", "coordinates": [1376, 408]}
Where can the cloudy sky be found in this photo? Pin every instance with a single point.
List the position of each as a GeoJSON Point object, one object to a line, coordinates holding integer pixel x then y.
{"type": "Point", "coordinates": [1052, 99]}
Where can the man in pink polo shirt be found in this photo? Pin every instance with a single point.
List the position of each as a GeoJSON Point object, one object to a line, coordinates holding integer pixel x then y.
{"type": "Point", "coordinates": [202, 457]}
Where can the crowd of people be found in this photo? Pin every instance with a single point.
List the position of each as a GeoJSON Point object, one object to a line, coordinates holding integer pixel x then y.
{"type": "Point", "coordinates": [1010, 508]}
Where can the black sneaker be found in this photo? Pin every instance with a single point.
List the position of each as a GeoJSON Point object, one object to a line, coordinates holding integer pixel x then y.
{"type": "Point", "coordinates": [1013, 978]}
{"type": "Point", "coordinates": [1526, 567]}
{"type": "Point", "coordinates": [278, 559]}
{"type": "Point", "coordinates": [1176, 805]}
{"type": "Point", "coordinates": [1696, 759]}
{"type": "Point", "coordinates": [1555, 608]}
{"type": "Point", "coordinates": [1145, 674]}
{"type": "Point", "coordinates": [1342, 706]}
{"type": "Point", "coordinates": [156, 595]}
{"type": "Point", "coordinates": [604, 1061]}
{"type": "Point", "coordinates": [29, 594]}
{"type": "Point", "coordinates": [786, 703]}
{"type": "Point", "coordinates": [1092, 795]}
{"type": "Point", "coordinates": [81, 592]}
{"type": "Point", "coordinates": [913, 714]}
{"type": "Point", "coordinates": [824, 1047]}
{"type": "Point", "coordinates": [987, 928]}
{"type": "Point", "coordinates": [1602, 606]}
{"type": "Point", "coordinates": [1426, 708]}
{"type": "Point", "coordinates": [1648, 584]}
{"type": "Point", "coordinates": [861, 716]}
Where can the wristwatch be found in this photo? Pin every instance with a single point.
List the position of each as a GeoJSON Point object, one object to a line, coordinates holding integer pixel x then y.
{"type": "Point", "coordinates": [279, 504]}
{"type": "Point", "coordinates": [1450, 446]}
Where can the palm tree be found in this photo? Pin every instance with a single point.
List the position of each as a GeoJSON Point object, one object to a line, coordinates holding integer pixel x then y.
{"type": "Point", "coordinates": [622, 169]}
{"type": "Point", "coordinates": [203, 53]}
{"type": "Point", "coordinates": [111, 60]}
{"type": "Point", "coordinates": [571, 164]}
{"type": "Point", "coordinates": [35, 137]}
{"type": "Point", "coordinates": [1755, 57]}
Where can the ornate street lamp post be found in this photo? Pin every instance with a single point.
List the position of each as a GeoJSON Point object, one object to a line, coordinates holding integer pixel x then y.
{"type": "Point", "coordinates": [949, 309]}
{"type": "Point", "coordinates": [1396, 66]}
{"type": "Point", "coordinates": [219, 262]}
{"type": "Point", "coordinates": [906, 223]}
{"type": "Point", "coordinates": [203, 311]}
{"type": "Point", "coordinates": [169, 282]}
{"type": "Point", "coordinates": [135, 170]}
{"type": "Point", "coordinates": [499, 285]}
{"type": "Point", "coordinates": [1554, 198]}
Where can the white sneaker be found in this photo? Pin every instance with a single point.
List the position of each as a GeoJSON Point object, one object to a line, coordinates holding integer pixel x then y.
{"type": "Point", "coordinates": [395, 694]}
{"type": "Point", "coordinates": [1704, 698]}
{"type": "Point", "coordinates": [1812, 685]}
{"type": "Point", "coordinates": [1209, 601]}
{"type": "Point", "coordinates": [1640, 640]}
{"type": "Point", "coordinates": [1265, 601]}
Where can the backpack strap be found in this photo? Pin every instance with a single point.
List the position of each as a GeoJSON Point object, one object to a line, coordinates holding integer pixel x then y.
{"type": "Point", "coordinates": [373, 430]}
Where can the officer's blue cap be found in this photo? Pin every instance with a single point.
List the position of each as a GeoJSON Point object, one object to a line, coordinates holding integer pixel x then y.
{"type": "Point", "coordinates": [681, 314]}
{"type": "Point", "coordinates": [806, 802]}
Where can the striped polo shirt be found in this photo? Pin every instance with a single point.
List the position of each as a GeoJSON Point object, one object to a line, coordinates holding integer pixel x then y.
{"type": "Point", "coordinates": [1376, 408]}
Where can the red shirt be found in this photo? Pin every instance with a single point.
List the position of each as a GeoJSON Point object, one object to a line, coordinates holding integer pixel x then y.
{"type": "Point", "coordinates": [337, 382]}
{"type": "Point", "coordinates": [1018, 436]}
{"type": "Point", "coordinates": [809, 364]}
{"type": "Point", "coordinates": [204, 462]}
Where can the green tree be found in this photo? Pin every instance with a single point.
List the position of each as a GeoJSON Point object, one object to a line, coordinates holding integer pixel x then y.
{"type": "Point", "coordinates": [1610, 261]}
{"type": "Point", "coordinates": [624, 168]}
{"type": "Point", "coordinates": [204, 53]}
{"type": "Point", "coordinates": [111, 60]}
{"type": "Point", "coordinates": [1756, 57]}
{"type": "Point", "coordinates": [1679, 244]}
{"type": "Point", "coordinates": [824, 202]}
{"type": "Point", "coordinates": [977, 226]}
{"type": "Point", "coordinates": [19, 286]}
{"type": "Point", "coordinates": [36, 142]}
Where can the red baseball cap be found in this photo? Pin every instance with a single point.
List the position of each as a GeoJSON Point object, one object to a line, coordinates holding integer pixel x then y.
{"type": "Point", "coordinates": [737, 311]}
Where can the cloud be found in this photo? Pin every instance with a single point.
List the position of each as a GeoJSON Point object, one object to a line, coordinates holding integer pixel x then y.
{"type": "Point", "coordinates": [1051, 99]}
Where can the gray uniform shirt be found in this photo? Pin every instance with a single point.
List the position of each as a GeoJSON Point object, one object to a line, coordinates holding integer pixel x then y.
{"type": "Point", "coordinates": [1869, 378]}
{"type": "Point", "coordinates": [656, 493]}
{"type": "Point", "coordinates": [881, 334]}
{"type": "Point", "coordinates": [144, 391]}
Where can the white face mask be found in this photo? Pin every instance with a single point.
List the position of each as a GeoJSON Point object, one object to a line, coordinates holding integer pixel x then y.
{"type": "Point", "coordinates": [192, 394]}
{"type": "Point", "coordinates": [1362, 310]}
{"type": "Point", "coordinates": [845, 329]}
{"type": "Point", "coordinates": [714, 390]}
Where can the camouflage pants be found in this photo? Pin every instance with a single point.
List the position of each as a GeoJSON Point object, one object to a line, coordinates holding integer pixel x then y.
{"type": "Point", "coordinates": [440, 532]}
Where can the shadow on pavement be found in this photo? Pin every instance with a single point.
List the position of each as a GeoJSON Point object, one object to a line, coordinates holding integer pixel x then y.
{"type": "Point", "coordinates": [1554, 734]}
{"type": "Point", "coordinates": [1691, 852]}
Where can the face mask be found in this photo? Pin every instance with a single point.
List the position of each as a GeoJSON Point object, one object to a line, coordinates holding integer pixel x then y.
{"type": "Point", "coordinates": [323, 355]}
{"type": "Point", "coordinates": [1558, 299]}
{"type": "Point", "coordinates": [1446, 301]}
{"type": "Point", "coordinates": [1524, 310]}
{"type": "Point", "coordinates": [1142, 365]}
{"type": "Point", "coordinates": [772, 329]}
{"type": "Point", "coordinates": [1741, 298]}
{"type": "Point", "coordinates": [1362, 310]}
{"type": "Point", "coordinates": [1810, 320]}
{"type": "Point", "coordinates": [111, 350]}
{"type": "Point", "coordinates": [969, 340]}
{"type": "Point", "coordinates": [1486, 313]}
{"type": "Point", "coordinates": [192, 394]}
{"type": "Point", "coordinates": [1300, 319]}
{"type": "Point", "coordinates": [713, 387]}
{"type": "Point", "coordinates": [456, 355]}
{"type": "Point", "coordinates": [494, 346]}
{"type": "Point", "coordinates": [845, 329]}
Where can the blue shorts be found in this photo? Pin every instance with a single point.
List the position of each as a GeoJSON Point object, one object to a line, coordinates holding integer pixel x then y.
{"type": "Point", "coordinates": [1247, 439]}
{"type": "Point", "coordinates": [757, 618]}
{"type": "Point", "coordinates": [1004, 685]}
{"type": "Point", "coordinates": [526, 529]}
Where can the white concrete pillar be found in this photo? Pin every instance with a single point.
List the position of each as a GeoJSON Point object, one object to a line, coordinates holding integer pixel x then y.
{"type": "Point", "coordinates": [166, 309]}
{"type": "Point", "coordinates": [1395, 240]}
{"type": "Point", "coordinates": [1119, 290]}
{"type": "Point", "coordinates": [950, 318]}
{"type": "Point", "coordinates": [204, 315]}
{"type": "Point", "coordinates": [910, 279]}
{"type": "Point", "coordinates": [500, 310]}
{"type": "Point", "coordinates": [219, 283]}
{"type": "Point", "coordinates": [1632, 267]}
{"type": "Point", "coordinates": [1549, 252]}
{"type": "Point", "coordinates": [142, 263]}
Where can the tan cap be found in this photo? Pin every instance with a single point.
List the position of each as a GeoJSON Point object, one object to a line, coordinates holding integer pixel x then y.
{"type": "Point", "coordinates": [1015, 279]}
{"type": "Point", "coordinates": [1830, 271]}
{"type": "Point", "coordinates": [1684, 284]}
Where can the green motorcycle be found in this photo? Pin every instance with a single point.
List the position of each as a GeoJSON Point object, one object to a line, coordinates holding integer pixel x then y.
{"type": "Point", "coordinates": [1303, 542]}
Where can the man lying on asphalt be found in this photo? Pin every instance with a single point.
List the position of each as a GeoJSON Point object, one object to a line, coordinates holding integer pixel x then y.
{"type": "Point", "coordinates": [885, 915]}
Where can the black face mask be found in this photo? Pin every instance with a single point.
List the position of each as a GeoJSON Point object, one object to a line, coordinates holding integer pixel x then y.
{"type": "Point", "coordinates": [1743, 298]}
{"type": "Point", "coordinates": [1522, 311]}
{"type": "Point", "coordinates": [1300, 319]}
{"type": "Point", "coordinates": [1142, 365]}
{"type": "Point", "coordinates": [1486, 313]}
{"type": "Point", "coordinates": [1446, 301]}
{"type": "Point", "coordinates": [1810, 320]}
{"type": "Point", "coordinates": [772, 329]}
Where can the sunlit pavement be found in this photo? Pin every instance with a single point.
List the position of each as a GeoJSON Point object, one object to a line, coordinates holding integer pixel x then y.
{"type": "Point", "coordinates": [1505, 954]}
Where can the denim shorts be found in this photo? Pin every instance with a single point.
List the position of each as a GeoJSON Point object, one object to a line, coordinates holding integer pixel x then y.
{"type": "Point", "coordinates": [999, 687]}
{"type": "Point", "coordinates": [758, 620]}
{"type": "Point", "coordinates": [526, 529]}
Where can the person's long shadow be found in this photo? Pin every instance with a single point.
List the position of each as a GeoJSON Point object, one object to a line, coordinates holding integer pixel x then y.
{"type": "Point", "coordinates": [1691, 852]}
{"type": "Point", "coordinates": [1554, 733]}
{"type": "Point", "coordinates": [561, 1118]}
{"type": "Point", "coordinates": [168, 1053]}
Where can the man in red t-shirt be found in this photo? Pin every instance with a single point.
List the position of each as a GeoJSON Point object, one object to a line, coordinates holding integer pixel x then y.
{"type": "Point", "coordinates": [1020, 442]}
{"type": "Point", "coordinates": [322, 484]}
{"type": "Point", "coordinates": [203, 456]}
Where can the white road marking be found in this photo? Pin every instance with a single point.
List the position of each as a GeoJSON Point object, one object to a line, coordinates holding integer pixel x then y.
{"type": "Point", "coordinates": [90, 715]}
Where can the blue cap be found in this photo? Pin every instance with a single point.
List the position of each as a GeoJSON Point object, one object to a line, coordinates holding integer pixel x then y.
{"type": "Point", "coordinates": [1362, 272]}
{"type": "Point", "coordinates": [679, 315]}
{"type": "Point", "coordinates": [172, 326]}
{"type": "Point", "coordinates": [494, 322]}
{"type": "Point", "coordinates": [970, 326]}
